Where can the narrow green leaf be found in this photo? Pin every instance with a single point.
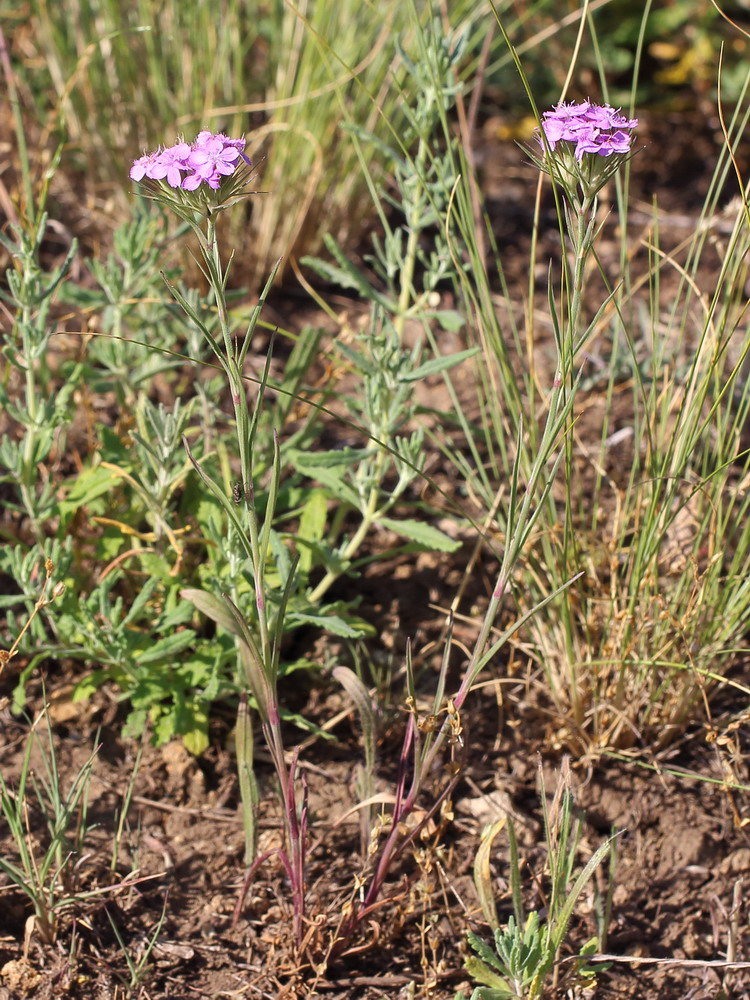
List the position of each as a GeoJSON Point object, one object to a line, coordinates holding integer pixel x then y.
{"type": "Point", "coordinates": [362, 700]}
{"type": "Point", "coordinates": [312, 526]}
{"type": "Point", "coordinates": [281, 620]}
{"type": "Point", "coordinates": [167, 647]}
{"type": "Point", "coordinates": [255, 315]}
{"type": "Point", "coordinates": [273, 493]}
{"type": "Point", "coordinates": [347, 274]}
{"type": "Point", "coordinates": [561, 924]}
{"type": "Point", "coordinates": [332, 623]}
{"type": "Point", "coordinates": [87, 486]}
{"type": "Point", "coordinates": [249, 794]}
{"type": "Point", "coordinates": [436, 365]}
{"type": "Point", "coordinates": [212, 607]}
{"type": "Point", "coordinates": [482, 877]}
{"type": "Point", "coordinates": [218, 492]}
{"type": "Point", "coordinates": [422, 533]}
{"type": "Point", "coordinates": [334, 481]}
{"type": "Point", "coordinates": [449, 320]}
{"type": "Point", "coordinates": [343, 457]}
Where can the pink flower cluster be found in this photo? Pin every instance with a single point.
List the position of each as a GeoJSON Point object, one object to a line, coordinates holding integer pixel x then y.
{"type": "Point", "coordinates": [206, 161]}
{"type": "Point", "coordinates": [594, 128]}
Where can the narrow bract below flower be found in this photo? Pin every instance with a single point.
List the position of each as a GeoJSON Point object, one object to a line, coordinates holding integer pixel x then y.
{"type": "Point", "coordinates": [208, 174]}
{"type": "Point", "coordinates": [584, 144]}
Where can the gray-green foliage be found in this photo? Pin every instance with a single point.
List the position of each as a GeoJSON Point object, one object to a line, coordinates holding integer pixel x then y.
{"type": "Point", "coordinates": [135, 326]}
{"type": "Point", "coordinates": [422, 176]}
{"type": "Point", "coordinates": [43, 407]}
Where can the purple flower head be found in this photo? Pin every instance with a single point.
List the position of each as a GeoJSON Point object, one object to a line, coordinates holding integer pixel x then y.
{"type": "Point", "coordinates": [210, 159]}
{"type": "Point", "coordinates": [170, 162]}
{"type": "Point", "coordinates": [595, 128]}
{"type": "Point", "coordinates": [203, 137]}
{"type": "Point", "coordinates": [144, 166]}
{"type": "Point", "coordinates": [206, 163]}
{"type": "Point", "coordinates": [605, 144]}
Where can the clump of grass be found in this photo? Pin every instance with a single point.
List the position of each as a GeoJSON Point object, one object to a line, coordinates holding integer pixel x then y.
{"type": "Point", "coordinates": [653, 517]}
{"type": "Point", "coordinates": [663, 538]}
{"type": "Point", "coordinates": [50, 829]}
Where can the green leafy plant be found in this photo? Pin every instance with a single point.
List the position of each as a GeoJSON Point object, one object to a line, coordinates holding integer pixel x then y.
{"type": "Point", "coordinates": [527, 949]}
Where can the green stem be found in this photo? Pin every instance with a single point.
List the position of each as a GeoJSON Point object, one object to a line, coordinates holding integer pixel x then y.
{"type": "Point", "coordinates": [31, 436]}
{"type": "Point", "coordinates": [211, 251]}
{"type": "Point", "coordinates": [369, 517]}
{"type": "Point", "coordinates": [581, 248]}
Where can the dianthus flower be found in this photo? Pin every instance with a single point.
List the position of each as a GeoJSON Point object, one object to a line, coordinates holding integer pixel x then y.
{"type": "Point", "coordinates": [584, 144]}
{"type": "Point", "coordinates": [211, 160]}
{"type": "Point", "coordinates": [169, 164]}
{"type": "Point", "coordinates": [594, 128]}
{"type": "Point", "coordinates": [144, 166]}
{"type": "Point", "coordinates": [211, 172]}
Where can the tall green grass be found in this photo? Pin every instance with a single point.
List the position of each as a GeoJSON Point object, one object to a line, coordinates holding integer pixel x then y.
{"type": "Point", "coordinates": [652, 506]}
{"type": "Point", "coordinates": [127, 77]}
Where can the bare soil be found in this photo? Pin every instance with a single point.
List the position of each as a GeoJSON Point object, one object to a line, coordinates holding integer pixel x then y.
{"type": "Point", "coordinates": [682, 857]}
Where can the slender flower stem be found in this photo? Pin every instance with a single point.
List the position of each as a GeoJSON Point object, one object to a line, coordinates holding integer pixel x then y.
{"type": "Point", "coordinates": [295, 822]}
{"type": "Point", "coordinates": [521, 519]}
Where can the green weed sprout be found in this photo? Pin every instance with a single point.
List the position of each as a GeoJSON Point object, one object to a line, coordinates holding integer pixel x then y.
{"type": "Point", "coordinates": [138, 965]}
{"type": "Point", "coordinates": [527, 949]}
{"type": "Point", "coordinates": [46, 876]}
{"type": "Point", "coordinates": [47, 865]}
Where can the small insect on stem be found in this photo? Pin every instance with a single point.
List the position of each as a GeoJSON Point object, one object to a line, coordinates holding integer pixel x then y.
{"type": "Point", "coordinates": [238, 491]}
